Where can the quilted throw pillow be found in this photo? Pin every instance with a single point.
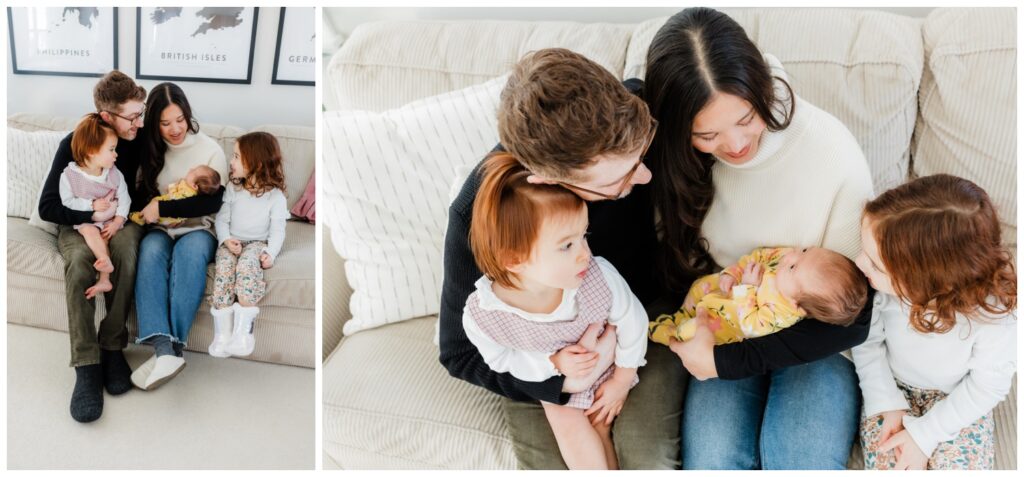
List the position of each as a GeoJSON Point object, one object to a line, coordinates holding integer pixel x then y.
{"type": "Point", "coordinates": [29, 156]}
{"type": "Point", "coordinates": [386, 181]}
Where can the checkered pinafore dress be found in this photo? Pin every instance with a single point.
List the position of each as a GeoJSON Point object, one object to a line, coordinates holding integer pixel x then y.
{"type": "Point", "coordinates": [83, 188]}
{"type": "Point", "coordinates": [594, 302]}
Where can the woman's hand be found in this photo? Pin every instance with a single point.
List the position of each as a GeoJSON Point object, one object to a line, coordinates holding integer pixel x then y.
{"type": "Point", "coordinates": [698, 354]}
{"type": "Point", "coordinates": [234, 246]}
{"type": "Point", "coordinates": [111, 228]}
{"type": "Point", "coordinates": [151, 212]}
{"type": "Point", "coordinates": [908, 455]}
{"type": "Point", "coordinates": [606, 350]}
{"type": "Point", "coordinates": [266, 261]}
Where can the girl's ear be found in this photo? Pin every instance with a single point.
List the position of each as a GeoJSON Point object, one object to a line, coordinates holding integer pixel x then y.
{"type": "Point", "coordinates": [516, 268]}
{"type": "Point", "coordinates": [535, 179]}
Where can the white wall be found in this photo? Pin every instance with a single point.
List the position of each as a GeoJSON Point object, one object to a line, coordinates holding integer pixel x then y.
{"type": "Point", "coordinates": [242, 105]}
{"type": "Point", "coordinates": [344, 20]}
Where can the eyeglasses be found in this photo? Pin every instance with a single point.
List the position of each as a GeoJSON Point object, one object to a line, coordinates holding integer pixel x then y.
{"type": "Point", "coordinates": [131, 119]}
{"type": "Point", "coordinates": [625, 180]}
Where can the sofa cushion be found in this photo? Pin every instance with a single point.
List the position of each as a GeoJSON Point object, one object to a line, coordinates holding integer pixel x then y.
{"type": "Point", "coordinates": [386, 182]}
{"type": "Point", "coordinates": [968, 121]}
{"type": "Point", "coordinates": [29, 156]}
{"type": "Point", "coordinates": [388, 403]}
{"type": "Point", "coordinates": [863, 67]}
{"type": "Point", "coordinates": [284, 331]}
{"type": "Point", "coordinates": [377, 69]}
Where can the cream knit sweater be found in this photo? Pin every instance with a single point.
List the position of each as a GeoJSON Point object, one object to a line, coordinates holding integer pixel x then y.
{"type": "Point", "coordinates": [197, 149]}
{"type": "Point", "coordinates": [806, 186]}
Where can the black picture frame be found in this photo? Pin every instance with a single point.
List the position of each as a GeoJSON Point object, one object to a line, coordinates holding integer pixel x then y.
{"type": "Point", "coordinates": [277, 57]}
{"type": "Point", "coordinates": [21, 71]}
{"type": "Point", "coordinates": [138, 56]}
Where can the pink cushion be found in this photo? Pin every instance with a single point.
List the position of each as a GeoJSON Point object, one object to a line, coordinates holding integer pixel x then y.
{"type": "Point", "coordinates": [306, 206]}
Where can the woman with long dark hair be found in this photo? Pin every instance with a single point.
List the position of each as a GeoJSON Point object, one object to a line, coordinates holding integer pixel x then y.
{"type": "Point", "coordinates": [740, 162]}
{"type": "Point", "coordinates": [171, 276]}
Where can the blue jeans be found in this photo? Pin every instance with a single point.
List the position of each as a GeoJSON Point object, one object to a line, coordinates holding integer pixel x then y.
{"type": "Point", "coordinates": [170, 282]}
{"type": "Point", "coordinates": [800, 417]}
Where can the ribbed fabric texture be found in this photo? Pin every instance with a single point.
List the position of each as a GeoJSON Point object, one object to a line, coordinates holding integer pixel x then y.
{"type": "Point", "coordinates": [336, 294]}
{"type": "Point", "coordinates": [386, 181]}
{"type": "Point", "coordinates": [376, 69]}
{"type": "Point", "coordinates": [29, 155]}
{"type": "Point", "coordinates": [404, 411]}
{"type": "Point", "coordinates": [968, 96]}
{"type": "Point", "coordinates": [850, 70]}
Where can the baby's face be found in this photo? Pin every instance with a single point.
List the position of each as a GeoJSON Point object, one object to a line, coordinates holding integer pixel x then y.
{"type": "Point", "coordinates": [801, 271]}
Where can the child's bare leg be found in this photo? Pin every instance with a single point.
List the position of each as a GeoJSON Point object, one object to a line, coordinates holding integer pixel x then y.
{"type": "Point", "coordinates": [578, 441]}
{"type": "Point", "coordinates": [98, 246]}
{"type": "Point", "coordinates": [605, 432]}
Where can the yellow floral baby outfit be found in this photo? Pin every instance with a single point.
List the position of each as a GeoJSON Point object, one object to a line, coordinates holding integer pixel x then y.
{"type": "Point", "coordinates": [178, 190]}
{"type": "Point", "coordinates": [746, 312]}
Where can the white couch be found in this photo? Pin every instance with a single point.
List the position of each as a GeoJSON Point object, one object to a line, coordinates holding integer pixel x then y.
{"type": "Point", "coordinates": [922, 96]}
{"type": "Point", "coordinates": [285, 332]}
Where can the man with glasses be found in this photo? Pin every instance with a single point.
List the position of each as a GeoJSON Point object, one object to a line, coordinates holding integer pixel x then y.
{"type": "Point", "coordinates": [570, 122]}
{"type": "Point", "coordinates": [97, 356]}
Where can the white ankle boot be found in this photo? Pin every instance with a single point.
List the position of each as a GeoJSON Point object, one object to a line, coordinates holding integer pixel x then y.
{"type": "Point", "coordinates": [242, 340]}
{"type": "Point", "coordinates": [221, 331]}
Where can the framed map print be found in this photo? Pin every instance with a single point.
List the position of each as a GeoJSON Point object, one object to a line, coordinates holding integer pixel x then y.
{"type": "Point", "coordinates": [63, 41]}
{"type": "Point", "coordinates": [211, 44]}
{"type": "Point", "coordinates": [295, 54]}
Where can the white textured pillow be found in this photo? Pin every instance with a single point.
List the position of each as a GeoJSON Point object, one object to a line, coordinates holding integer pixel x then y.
{"type": "Point", "coordinates": [29, 156]}
{"type": "Point", "coordinates": [386, 182]}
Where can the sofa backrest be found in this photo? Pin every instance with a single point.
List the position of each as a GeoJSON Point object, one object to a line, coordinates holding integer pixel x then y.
{"type": "Point", "coordinates": [865, 67]}
{"type": "Point", "coordinates": [298, 143]}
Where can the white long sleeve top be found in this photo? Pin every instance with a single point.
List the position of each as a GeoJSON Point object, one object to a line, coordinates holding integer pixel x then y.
{"type": "Point", "coordinates": [77, 203]}
{"type": "Point", "coordinates": [973, 363]}
{"type": "Point", "coordinates": [244, 216]}
{"type": "Point", "coordinates": [627, 314]}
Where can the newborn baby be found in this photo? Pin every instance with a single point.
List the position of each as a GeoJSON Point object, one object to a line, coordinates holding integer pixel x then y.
{"type": "Point", "coordinates": [766, 291]}
{"type": "Point", "coordinates": [199, 180]}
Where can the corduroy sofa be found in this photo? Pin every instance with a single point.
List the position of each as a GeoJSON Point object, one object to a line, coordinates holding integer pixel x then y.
{"type": "Point", "coordinates": [285, 330]}
{"type": "Point", "coordinates": [921, 95]}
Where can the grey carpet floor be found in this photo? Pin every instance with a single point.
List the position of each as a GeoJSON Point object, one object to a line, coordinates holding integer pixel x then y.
{"type": "Point", "coordinates": [216, 414]}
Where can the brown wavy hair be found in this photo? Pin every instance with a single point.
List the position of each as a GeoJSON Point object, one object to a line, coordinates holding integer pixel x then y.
{"type": "Point", "coordinates": [88, 138]}
{"type": "Point", "coordinates": [939, 239]}
{"type": "Point", "coordinates": [261, 157]}
{"type": "Point", "coordinates": [698, 53]}
{"type": "Point", "coordinates": [508, 213]}
{"type": "Point", "coordinates": [559, 111]}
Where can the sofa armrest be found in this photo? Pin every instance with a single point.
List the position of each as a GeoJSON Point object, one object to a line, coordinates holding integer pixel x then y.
{"type": "Point", "coordinates": [336, 295]}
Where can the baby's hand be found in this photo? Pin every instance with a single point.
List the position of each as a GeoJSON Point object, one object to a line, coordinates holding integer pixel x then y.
{"type": "Point", "coordinates": [725, 283]}
{"type": "Point", "coordinates": [611, 396]}
{"type": "Point", "coordinates": [574, 361]}
{"type": "Point", "coordinates": [752, 274]}
{"type": "Point", "coordinates": [234, 246]}
{"type": "Point", "coordinates": [99, 205]}
{"type": "Point", "coordinates": [266, 261]}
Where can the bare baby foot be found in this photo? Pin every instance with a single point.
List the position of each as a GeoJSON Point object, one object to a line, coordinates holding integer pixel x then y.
{"type": "Point", "coordinates": [101, 286]}
{"type": "Point", "coordinates": [104, 265]}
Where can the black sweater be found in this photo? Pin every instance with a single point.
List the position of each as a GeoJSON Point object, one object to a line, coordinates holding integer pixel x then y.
{"type": "Point", "coordinates": [621, 231]}
{"type": "Point", "coordinates": [129, 159]}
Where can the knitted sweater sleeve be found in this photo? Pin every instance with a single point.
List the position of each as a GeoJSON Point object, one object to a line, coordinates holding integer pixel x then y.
{"type": "Point", "coordinates": [457, 353]}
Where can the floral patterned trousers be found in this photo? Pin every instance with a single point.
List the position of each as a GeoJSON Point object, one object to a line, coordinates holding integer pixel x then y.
{"type": "Point", "coordinates": [239, 276]}
{"type": "Point", "coordinates": [972, 449]}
